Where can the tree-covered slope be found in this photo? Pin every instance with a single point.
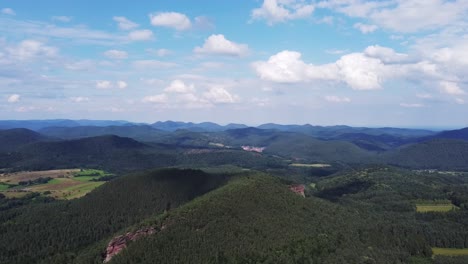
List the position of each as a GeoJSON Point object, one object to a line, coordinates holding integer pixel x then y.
{"type": "Point", "coordinates": [138, 132]}
{"type": "Point", "coordinates": [257, 219]}
{"type": "Point", "coordinates": [108, 152]}
{"type": "Point", "coordinates": [12, 139]}
{"type": "Point", "coordinates": [57, 230]}
{"type": "Point", "coordinates": [446, 154]}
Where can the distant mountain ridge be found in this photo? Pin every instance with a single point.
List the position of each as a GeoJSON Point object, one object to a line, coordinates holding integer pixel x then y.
{"type": "Point", "coordinates": [39, 124]}
{"type": "Point", "coordinates": [204, 126]}
{"type": "Point", "coordinates": [453, 134]}
{"type": "Point", "coordinates": [12, 139]}
{"type": "Point", "coordinates": [121, 147]}
{"type": "Point", "coordinates": [170, 126]}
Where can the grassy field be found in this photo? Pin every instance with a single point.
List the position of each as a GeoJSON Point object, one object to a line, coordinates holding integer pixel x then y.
{"type": "Point", "coordinates": [441, 208]}
{"type": "Point", "coordinates": [91, 173]}
{"type": "Point", "coordinates": [316, 165]}
{"type": "Point", "coordinates": [66, 188]}
{"type": "Point", "coordinates": [16, 177]}
{"type": "Point", "coordinates": [450, 251]}
{"type": "Point", "coordinates": [65, 184]}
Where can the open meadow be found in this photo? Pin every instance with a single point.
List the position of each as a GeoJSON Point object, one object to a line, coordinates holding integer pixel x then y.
{"type": "Point", "coordinates": [450, 251]}
{"type": "Point", "coordinates": [59, 184]}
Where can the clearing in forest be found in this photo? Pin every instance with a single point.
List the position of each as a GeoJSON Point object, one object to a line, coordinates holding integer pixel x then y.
{"type": "Point", "coordinates": [441, 208]}
{"type": "Point", "coordinates": [59, 184]}
{"type": "Point", "coordinates": [450, 251]}
{"type": "Point", "coordinates": [315, 165]}
{"type": "Point", "coordinates": [16, 177]}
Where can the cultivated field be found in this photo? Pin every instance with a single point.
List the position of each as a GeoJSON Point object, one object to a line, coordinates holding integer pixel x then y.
{"type": "Point", "coordinates": [66, 188]}
{"type": "Point", "coordinates": [315, 165]}
{"type": "Point", "coordinates": [441, 208]}
{"type": "Point", "coordinates": [16, 177]}
{"type": "Point", "coordinates": [450, 251]}
{"type": "Point", "coordinates": [63, 184]}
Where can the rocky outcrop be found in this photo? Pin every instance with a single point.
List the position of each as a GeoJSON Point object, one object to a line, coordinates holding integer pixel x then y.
{"type": "Point", "coordinates": [253, 149]}
{"type": "Point", "coordinates": [119, 243]}
{"type": "Point", "coordinates": [299, 189]}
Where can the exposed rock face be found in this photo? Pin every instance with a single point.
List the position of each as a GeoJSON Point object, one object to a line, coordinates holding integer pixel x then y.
{"type": "Point", "coordinates": [299, 189]}
{"type": "Point", "coordinates": [253, 149]}
{"type": "Point", "coordinates": [118, 243]}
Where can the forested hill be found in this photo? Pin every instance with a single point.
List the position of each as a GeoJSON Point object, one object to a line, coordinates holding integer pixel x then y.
{"type": "Point", "coordinates": [461, 134]}
{"type": "Point", "coordinates": [40, 233]}
{"type": "Point", "coordinates": [257, 219]}
{"type": "Point", "coordinates": [446, 154]}
{"type": "Point", "coordinates": [12, 139]}
{"type": "Point", "coordinates": [99, 152]}
{"type": "Point", "coordinates": [139, 132]}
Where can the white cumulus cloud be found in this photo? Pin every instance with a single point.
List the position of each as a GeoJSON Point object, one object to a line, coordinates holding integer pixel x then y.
{"type": "Point", "coordinates": [387, 55]}
{"type": "Point", "coordinates": [8, 11]}
{"type": "Point", "coordinates": [152, 64]}
{"type": "Point", "coordinates": [337, 99]}
{"type": "Point", "coordinates": [14, 98]}
{"type": "Point", "coordinates": [159, 99]}
{"type": "Point", "coordinates": [64, 19]}
{"type": "Point", "coordinates": [288, 67]}
{"type": "Point", "coordinates": [218, 94]}
{"type": "Point", "coordinates": [357, 70]}
{"type": "Point", "coordinates": [124, 23]}
{"type": "Point", "coordinates": [121, 84]}
{"type": "Point", "coordinates": [451, 88]}
{"type": "Point", "coordinates": [415, 15]}
{"type": "Point", "coordinates": [365, 28]}
{"type": "Point", "coordinates": [412, 105]}
{"type": "Point", "coordinates": [178, 86]}
{"type": "Point", "coordinates": [31, 49]}
{"type": "Point", "coordinates": [276, 11]}
{"type": "Point", "coordinates": [361, 72]}
{"type": "Point", "coordinates": [218, 44]}
{"type": "Point", "coordinates": [116, 54]}
{"type": "Point", "coordinates": [160, 52]}
{"type": "Point", "coordinates": [79, 99]}
{"type": "Point", "coordinates": [173, 20]}
{"type": "Point", "coordinates": [141, 35]}
{"type": "Point", "coordinates": [104, 84]}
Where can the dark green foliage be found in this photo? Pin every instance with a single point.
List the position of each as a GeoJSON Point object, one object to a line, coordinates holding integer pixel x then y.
{"type": "Point", "coordinates": [450, 260]}
{"type": "Point", "coordinates": [31, 234]}
{"type": "Point", "coordinates": [141, 133]}
{"type": "Point", "coordinates": [434, 154]}
{"type": "Point", "coordinates": [12, 139]}
{"type": "Point", "coordinates": [109, 152]}
{"type": "Point", "coordinates": [40, 180]}
{"type": "Point", "coordinates": [258, 220]}
{"type": "Point", "coordinates": [453, 134]}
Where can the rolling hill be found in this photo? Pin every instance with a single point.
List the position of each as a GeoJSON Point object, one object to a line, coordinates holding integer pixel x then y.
{"type": "Point", "coordinates": [259, 220]}
{"type": "Point", "coordinates": [461, 134]}
{"type": "Point", "coordinates": [12, 139]}
{"type": "Point", "coordinates": [140, 132]}
{"type": "Point", "coordinates": [39, 124]}
{"type": "Point", "coordinates": [110, 152]}
{"type": "Point", "coordinates": [448, 154]}
{"type": "Point", "coordinates": [50, 232]}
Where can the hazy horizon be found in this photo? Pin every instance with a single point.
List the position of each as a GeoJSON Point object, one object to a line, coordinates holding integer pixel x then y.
{"type": "Point", "coordinates": [357, 63]}
{"type": "Point", "coordinates": [428, 127]}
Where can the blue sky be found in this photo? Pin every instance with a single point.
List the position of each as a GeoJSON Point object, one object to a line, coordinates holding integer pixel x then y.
{"type": "Point", "coordinates": [370, 63]}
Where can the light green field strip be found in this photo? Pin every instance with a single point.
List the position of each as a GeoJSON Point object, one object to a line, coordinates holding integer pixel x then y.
{"type": "Point", "coordinates": [317, 165]}
{"type": "Point", "coordinates": [441, 208]}
{"type": "Point", "coordinates": [450, 251]}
